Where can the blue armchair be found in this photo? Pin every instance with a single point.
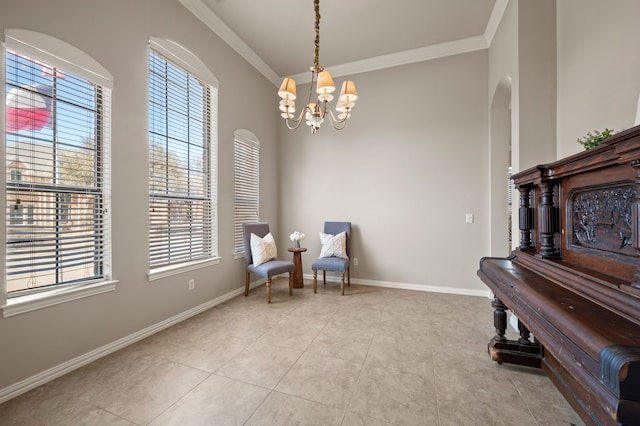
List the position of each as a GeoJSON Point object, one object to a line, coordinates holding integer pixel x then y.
{"type": "Point", "coordinates": [268, 269]}
{"type": "Point", "coordinates": [334, 263]}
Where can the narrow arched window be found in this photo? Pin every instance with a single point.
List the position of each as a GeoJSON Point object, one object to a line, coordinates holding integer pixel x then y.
{"type": "Point", "coordinates": [246, 168]}
{"type": "Point", "coordinates": [182, 152]}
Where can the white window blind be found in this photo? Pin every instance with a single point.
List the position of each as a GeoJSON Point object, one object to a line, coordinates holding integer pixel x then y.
{"type": "Point", "coordinates": [180, 164]}
{"type": "Point", "coordinates": [56, 183]}
{"type": "Point", "coordinates": [246, 161]}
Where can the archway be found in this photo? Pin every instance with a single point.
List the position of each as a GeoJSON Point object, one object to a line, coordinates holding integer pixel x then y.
{"type": "Point", "coordinates": [500, 157]}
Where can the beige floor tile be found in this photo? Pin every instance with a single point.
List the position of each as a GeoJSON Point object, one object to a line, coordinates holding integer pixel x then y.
{"type": "Point", "coordinates": [315, 308]}
{"type": "Point", "coordinates": [216, 401]}
{"type": "Point", "coordinates": [355, 419]}
{"type": "Point", "coordinates": [375, 356]}
{"type": "Point", "coordinates": [260, 364]}
{"type": "Point", "coordinates": [293, 333]}
{"type": "Point", "coordinates": [326, 380]}
{"type": "Point", "coordinates": [208, 356]}
{"type": "Point", "coordinates": [415, 328]}
{"type": "Point", "coordinates": [283, 410]}
{"type": "Point", "coordinates": [554, 413]}
{"type": "Point", "coordinates": [143, 393]}
{"type": "Point", "coordinates": [395, 397]}
{"type": "Point", "coordinates": [47, 406]}
{"type": "Point", "coordinates": [503, 411]}
{"type": "Point", "coordinates": [401, 353]}
{"type": "Point", "coordinates": [351, 347]}
{"type": "Point", "coordinates": [344, 325]}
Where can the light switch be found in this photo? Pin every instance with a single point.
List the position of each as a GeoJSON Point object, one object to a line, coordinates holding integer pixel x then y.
{"type": "Point", "coordinates": [469, 217]}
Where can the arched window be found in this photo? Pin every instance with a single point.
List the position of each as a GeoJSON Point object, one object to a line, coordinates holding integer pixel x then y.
{"type": "Point", "coordinates": [182, 160]}
{"type": "Point", "coordinates": [57, 134]}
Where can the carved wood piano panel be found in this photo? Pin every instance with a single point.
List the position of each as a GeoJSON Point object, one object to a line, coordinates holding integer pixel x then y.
{"type": "Point", "coordinates": [574, 280]}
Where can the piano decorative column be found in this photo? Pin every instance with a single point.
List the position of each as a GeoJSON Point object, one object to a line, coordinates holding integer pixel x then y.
{"type": "Point", "coordinates": [525, 216]}
{"type": "Point", "coordinates": [548, 221]}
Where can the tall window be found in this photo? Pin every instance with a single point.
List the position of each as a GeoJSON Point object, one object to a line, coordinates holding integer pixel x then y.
{"type": "Point", "coordinates": [181, 193]}
{"type": "Point", "coordinates": [246, 161]}
{"type": "Point", "coordinates": [56, 120]}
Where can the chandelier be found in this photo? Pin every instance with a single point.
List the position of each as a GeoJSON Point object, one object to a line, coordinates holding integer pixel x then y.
{"type": "Point", "coordinates": [315, 112]}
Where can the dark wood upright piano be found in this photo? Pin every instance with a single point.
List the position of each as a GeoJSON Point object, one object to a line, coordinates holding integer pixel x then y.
{"type": "Point", "coordinates": [574, 281]}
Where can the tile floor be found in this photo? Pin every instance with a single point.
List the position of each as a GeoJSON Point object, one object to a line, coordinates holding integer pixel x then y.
{"type": "Point", "coordinates": [375, 356]}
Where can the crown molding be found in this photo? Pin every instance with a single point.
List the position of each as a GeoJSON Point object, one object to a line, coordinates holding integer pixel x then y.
{"type": "Point", "coordinates": [403, 58]}
{"type": "Point", "coordinates": [211, 20]}
{"type": "Point", "coordinates": [494, 20]}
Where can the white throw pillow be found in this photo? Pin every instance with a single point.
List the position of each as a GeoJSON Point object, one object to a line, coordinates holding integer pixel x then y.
{"type": "Point", "coordinates": [333, 245]}
{"type": "Point", "coordinates": [263, 249]}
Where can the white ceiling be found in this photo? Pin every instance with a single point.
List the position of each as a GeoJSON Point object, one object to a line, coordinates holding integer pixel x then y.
{"type": "Point", "coordinates": [277, 36]}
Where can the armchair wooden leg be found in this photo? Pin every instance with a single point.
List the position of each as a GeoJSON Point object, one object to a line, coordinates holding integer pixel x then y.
{"type": "Point", "coordinates": [268, 290]}
{"type": "Point", "coordinates": [246, 286]}
{"type": "Point", "coordinates": [342, 283]}
{"type": "Point", "coordinates": [315, 281]}
{"type": "Point", "coordinates": [290, 284]}
{"type": "Point", "coordinates": [324, 277]}
{"type": "Point", "coordinates": [349, 276]}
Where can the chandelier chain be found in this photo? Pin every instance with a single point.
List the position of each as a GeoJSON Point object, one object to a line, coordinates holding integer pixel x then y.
{"type": "Point", "coordinates": [316, 63]}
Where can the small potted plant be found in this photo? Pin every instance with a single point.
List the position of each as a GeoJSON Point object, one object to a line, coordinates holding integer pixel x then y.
{"type": "Point", "coordinates": [591, 140]}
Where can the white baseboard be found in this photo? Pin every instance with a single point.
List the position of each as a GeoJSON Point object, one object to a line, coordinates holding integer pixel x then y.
{"type": "Point", "coordinates": [407, 286]}
{"type": "Point", "coordinates": [66, 367]}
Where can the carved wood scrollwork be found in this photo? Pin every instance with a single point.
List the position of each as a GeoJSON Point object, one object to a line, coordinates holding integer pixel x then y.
{"type": "Point", "coordinates": [602, 219]}
{"type": "Point", "coordinates": [635, 219]}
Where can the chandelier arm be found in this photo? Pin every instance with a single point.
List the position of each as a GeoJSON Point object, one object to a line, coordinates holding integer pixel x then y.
{"type": "Point", "coordinates": [334, 119]}
{"type": "Point", "coordinates": [335, 122]}
{"type": "Point", "coordinates": [298, 120]}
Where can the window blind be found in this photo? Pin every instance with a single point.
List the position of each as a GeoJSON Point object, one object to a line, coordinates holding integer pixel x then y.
{"type": "Point", "coordinates": [246, 161]}
{"type": "Point", "coordinates": [55, 189]}
{"type": "Point", "coordinates": [180, 178]}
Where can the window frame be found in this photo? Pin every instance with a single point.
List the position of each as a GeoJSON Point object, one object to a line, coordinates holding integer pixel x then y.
{"type": "Point", "coordinates": [59, 54]}
{"type": "Point", "coordinates": [183, 58]}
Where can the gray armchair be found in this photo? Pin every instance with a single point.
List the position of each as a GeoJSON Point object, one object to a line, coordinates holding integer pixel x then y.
{"type": "Point", "coordinates": [268, 269]}
{"type": "Point", "coordinates": [333, 263]}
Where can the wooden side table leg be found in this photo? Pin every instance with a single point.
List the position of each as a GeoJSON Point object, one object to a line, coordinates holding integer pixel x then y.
{"type": "Point", "coordinates": [298, 281]}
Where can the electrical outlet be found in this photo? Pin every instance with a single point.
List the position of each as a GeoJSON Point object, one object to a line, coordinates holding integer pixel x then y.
{"type": "Point", "coordinates": [192, 284]}
{"type": "Point", "coordinates": [355, 261]}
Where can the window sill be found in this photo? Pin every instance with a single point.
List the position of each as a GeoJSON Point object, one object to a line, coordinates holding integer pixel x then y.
{"type": "Point", "coordinates": [32, 302]}
{"type": "Point", "coordinates": [169, 271]}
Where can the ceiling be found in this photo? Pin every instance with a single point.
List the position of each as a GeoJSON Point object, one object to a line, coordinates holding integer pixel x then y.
{"type": "Point", "coordinates": [277, 36]}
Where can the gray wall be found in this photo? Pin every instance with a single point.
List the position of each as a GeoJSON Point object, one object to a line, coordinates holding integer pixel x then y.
{"type": "Point", "coordinates": [116, 34]}
{"type": "Point", "coordinates": [598, 68]}
{"type": "Point", "coordinates": [412, 161]}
